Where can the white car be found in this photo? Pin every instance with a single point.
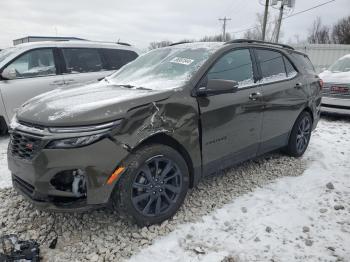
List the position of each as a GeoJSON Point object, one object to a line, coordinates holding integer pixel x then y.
{"type": "Point", "coordinates": [30, 69]}
{"type": "Point", "coordinates": [336, 87]}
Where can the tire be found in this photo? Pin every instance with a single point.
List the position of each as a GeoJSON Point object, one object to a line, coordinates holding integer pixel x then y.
{"type": "Point", "coordinates": [300, 136]}
{"type": "Point", "coordinates": [3, 126]}
{"type": "Point", "coordinates": [147, 198]}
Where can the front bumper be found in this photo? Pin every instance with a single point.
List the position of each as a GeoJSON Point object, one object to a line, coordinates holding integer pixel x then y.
{"type": "Point", "coordinates": [335, 105]}
{"type": "Point", "coordinates": [32, 177]}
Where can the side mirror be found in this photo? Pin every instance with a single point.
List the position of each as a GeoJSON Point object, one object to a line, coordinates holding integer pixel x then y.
{"type": "Point", "coordinates": [9, 74]}
{"type": "Point", "coordinates": [217, 87]}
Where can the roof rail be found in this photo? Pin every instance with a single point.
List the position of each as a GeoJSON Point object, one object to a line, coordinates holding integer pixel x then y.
{"type": "Point", "coordinates": [259, 42]}
{"type": "Point", "coordinates": [179, 43]}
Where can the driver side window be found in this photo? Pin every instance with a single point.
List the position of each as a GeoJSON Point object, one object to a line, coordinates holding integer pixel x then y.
{"type": "Point", "coordinates": [235, 65]}
{"type": "Point", "coordinates": [34, 63]}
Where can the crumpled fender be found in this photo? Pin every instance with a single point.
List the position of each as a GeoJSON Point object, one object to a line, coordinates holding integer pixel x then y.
{"type": "Point", "coordinates": [176, 117]}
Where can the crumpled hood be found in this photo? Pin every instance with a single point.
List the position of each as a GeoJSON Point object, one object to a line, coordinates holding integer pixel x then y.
{"type": "Point", "coordinates": [330, 77]}
{"type": "Point", "coordinates": [85, 105]}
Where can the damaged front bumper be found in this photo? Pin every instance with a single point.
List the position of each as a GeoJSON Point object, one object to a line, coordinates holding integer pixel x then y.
{"type": "Point", "coordinates": [73, 179]}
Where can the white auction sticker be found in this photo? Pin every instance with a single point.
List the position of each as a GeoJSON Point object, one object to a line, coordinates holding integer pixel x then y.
{"type": "Point", "coordinates": [181, 60]}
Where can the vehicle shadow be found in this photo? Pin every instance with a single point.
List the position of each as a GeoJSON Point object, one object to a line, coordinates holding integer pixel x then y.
{"type": "Point", "coordinates": [335, 117]}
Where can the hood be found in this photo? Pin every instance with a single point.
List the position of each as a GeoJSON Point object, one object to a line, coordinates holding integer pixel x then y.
{"type": "Point", "coordinates": [335, 77]}
{"type": "Point", "coordinates": [86, 105]}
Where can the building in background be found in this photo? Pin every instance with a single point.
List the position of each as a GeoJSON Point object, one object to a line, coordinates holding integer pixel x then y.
{"type": "Point", "coordinates": [28, 39]}
{"type": "Point", "coordinates": [323, 55]}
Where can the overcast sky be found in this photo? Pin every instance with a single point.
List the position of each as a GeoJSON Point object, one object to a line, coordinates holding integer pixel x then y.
{"type": "Point", "coordinates": [140, 22]}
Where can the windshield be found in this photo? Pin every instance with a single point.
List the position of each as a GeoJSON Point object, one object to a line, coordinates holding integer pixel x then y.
{"type": "Point", "coordinates": [341, 65]}
{"type": "Point", "coordinates": [6, 52]}
{"type": "Point", "coordinates": [165, 68]}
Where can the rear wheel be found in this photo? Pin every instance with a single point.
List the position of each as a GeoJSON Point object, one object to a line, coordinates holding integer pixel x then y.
{"type": "Point", "coordinates": [154, 185]}
{"type": "Point", "coordinates": [300, 136]}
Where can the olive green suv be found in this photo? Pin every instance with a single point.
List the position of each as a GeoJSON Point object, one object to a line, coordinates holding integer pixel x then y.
{"type": "Point", "coordinates": [140, 138]}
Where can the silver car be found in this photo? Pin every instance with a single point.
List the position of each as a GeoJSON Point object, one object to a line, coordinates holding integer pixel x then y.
{"type": "Point", "coordinates": [336, 87]}
{"type": "Point", "coordinates": [30, 69]}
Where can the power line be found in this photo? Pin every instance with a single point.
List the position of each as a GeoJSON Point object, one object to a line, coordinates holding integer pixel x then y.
{"type": "Point", "coordinates": [297, 13]}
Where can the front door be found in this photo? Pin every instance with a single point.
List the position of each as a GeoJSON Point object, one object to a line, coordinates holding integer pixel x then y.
{"type": "Point", "coordinates": [36, 74]}
{"type": "Point", "coordinates": [231, 123]}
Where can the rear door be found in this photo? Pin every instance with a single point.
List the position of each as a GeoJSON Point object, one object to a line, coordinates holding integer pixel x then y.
{"type": "Point", "coordinates": [82, 65]}
{"type": "Point", "coordinates": [231, 123]}
{"type": "Point", "coordinates": [37, 72]}
{"type": "Point", "coordinates": [283, 97]}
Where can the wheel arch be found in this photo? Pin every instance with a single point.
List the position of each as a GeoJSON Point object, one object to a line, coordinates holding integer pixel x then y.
{"type": "Point", "coordinates": [162, 138]}
{"type": "Point", "coordinates": [308, 109]}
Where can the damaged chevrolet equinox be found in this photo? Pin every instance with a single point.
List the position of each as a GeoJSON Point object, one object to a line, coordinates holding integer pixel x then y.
{"type": "Point", "coordinates": [139, 139]}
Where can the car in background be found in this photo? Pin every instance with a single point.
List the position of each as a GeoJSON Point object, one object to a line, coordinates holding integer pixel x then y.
{"type": "Point", "coordinates": [336, 88]}
{"type": "Point", "coordinates": [30, 69]}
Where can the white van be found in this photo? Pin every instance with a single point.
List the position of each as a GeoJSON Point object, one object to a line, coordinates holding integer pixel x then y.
{"type": "Point", "coordinates": [30, 69]}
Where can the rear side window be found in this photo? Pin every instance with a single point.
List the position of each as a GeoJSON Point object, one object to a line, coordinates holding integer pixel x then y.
{"type": "Point", "coordinates": [305, 63]}
{"type": "Point", "coordinates": [34, 63]}
{"type": "Point", "coordinates": [235, 65]}
{"type": "Point", "coordinates": [271, 65]}
{"type": "Point", "coordinates": [116, 58]}
{"type": "Point", "coordinates": [291, 72]}
{"type": "Point", "coordinates": [82, 60]}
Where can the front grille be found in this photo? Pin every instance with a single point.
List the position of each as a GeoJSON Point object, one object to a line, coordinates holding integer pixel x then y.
{"type": "Point", "coordinates": [23, 146]}
{"type": "Point", "coordinates": [28, 188]}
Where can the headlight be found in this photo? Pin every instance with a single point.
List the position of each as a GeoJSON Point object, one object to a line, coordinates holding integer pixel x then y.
{"type": "Point", "coordinates": [85, 135]}
{"type": "Point", "coordinates": [76, 129]}
{"type": "Point", "coordinates": [75, 141]}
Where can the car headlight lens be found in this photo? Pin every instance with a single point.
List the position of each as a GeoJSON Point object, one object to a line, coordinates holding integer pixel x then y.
{"type": "Point", "coordinates": [75, 141]}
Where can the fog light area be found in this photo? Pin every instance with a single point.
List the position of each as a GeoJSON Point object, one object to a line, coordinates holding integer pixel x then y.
{"type": "Point", "coordinates": [73, 181]}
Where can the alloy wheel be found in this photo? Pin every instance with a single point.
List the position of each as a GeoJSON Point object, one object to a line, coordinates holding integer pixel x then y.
{"type": "Point", "coordinates": [156, 186]}
{"type": "Point", "coordinates": [303, 134]}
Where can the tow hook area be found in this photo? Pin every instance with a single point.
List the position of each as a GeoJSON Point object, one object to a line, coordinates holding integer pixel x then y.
{"type": "Point", "coordinates": [72, 182]}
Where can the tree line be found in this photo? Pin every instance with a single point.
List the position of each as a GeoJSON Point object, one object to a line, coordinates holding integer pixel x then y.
{"type": "Point", "coordinates": [339, 33]}
{"type": "Point", "coordinates": [336, 34]}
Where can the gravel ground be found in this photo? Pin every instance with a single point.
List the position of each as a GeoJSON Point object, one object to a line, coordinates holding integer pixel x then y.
{"type": "Point", "coordinates": [103, 236]}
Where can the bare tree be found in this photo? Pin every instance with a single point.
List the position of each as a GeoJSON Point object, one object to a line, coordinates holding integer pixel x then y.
{"type": "Point", "coordinates": [216, 38]}
{"type": "Point", "coordinates": [256, 32]}
{"type": "Point", "coordinates": [154, 45]}
{"type": "Point", "coordinates": [318, 33]}
{"type": "Point", "coordinates": [341, 31]}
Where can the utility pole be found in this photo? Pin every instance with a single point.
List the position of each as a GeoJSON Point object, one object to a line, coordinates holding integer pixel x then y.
{"type": "Point", "coordinates": [279, 21]}
{"type": "Point", "coordinates": [265, 19]}
{"type": "Point", "coordinates": [225, 19]}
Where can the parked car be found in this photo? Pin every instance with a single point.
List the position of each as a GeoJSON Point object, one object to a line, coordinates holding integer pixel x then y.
{"type": "Point", "coordinates": [30, 69]}
{"type": "Point", "coordinates": [139, 139]}
{"type": "Point", "coordinates": [336, 90]}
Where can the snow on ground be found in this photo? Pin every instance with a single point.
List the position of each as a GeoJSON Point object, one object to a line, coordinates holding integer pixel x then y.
{"type": "Point", "coordinates": [5, 176]}
{"type": "Point", "coordinates": [293, 219]}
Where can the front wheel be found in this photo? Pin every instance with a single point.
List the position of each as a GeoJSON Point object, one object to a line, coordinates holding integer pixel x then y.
{"type": "Point", "coordinates": [300, 136]}
{"type": "Point", "coordinates": [154, 185]}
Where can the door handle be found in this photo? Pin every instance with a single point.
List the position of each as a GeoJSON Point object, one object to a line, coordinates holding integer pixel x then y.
{"type": "Point", "coordinates": [298, 85]}
{"type": "Point", "coordinates": [255, 96]}
{"type": "Point", "coordinates": [57, 83]}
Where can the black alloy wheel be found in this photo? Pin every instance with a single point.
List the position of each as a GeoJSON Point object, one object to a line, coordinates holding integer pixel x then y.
{"type": "Point", "coordinates": [156, 186]}
{"type": "Point", "coordinates": [153, 186]}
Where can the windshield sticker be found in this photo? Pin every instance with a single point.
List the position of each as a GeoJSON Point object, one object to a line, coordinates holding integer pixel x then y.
{"type": "Point", "coordinates": [181, 60]}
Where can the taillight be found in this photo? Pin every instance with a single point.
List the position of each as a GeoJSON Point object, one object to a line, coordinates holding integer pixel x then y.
{"type": "Point", "coordinates": [320, 81]}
